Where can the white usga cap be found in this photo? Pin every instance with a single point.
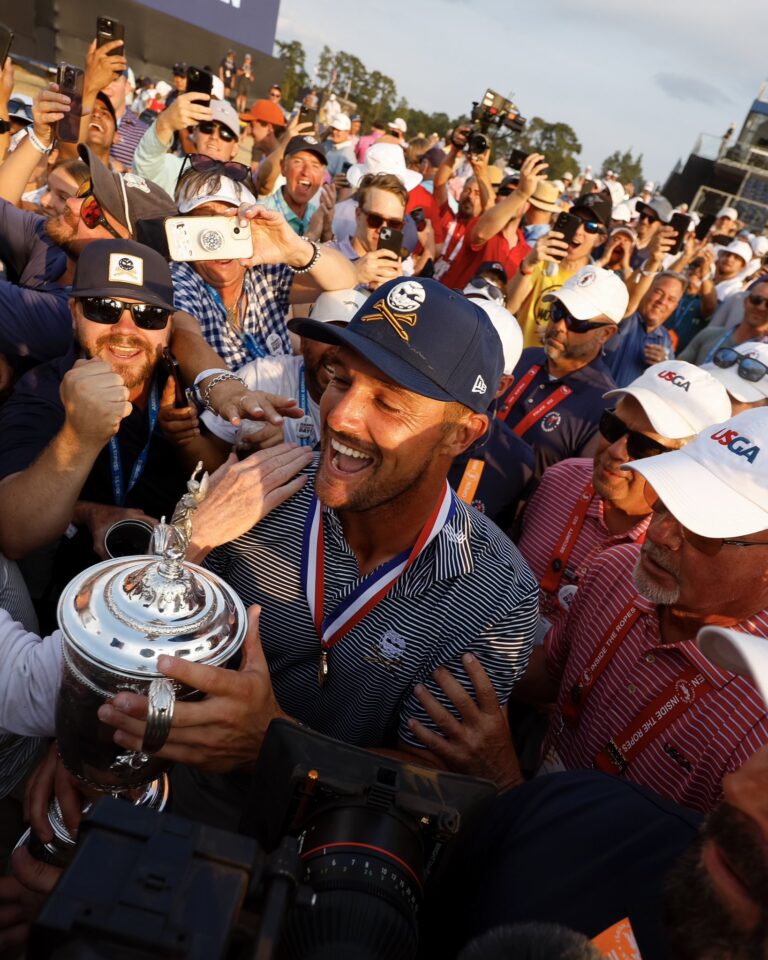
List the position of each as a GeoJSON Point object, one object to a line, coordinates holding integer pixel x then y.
{"type": "Point", "coordinates": [717, 485]}
{"type": "Point", "coordinates": [593, 292]}
{"type": "Point", "coordinates": [338, 306]}
{"type": "Point", "coordinates": [509, 331]}
{"type": "Point", "coordinates": [679, 399]}
{"type": "Point", "coordinates": [229, 191]}
{"type": "Point", "coordinates": [742, 388]}
{"type": "Point", "coordinates": [739, 653]}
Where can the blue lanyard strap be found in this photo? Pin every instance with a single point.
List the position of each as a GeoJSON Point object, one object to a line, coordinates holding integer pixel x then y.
{"type": "Point", "coordinates": [115, 461]}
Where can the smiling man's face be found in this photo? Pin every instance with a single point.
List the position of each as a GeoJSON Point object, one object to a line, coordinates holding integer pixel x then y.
{"type": "Point", "coordinates": [101, 127]}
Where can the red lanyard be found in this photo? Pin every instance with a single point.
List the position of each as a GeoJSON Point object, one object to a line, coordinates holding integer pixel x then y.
{"type": "Point", "coordinates": [564, 548]}
{"type": "Point", "coordinates": [660, 713]}
{"type": "Point", "coordinates": [538, 412]}
{"type": "Point", "coordinates": [470, 480]}
{"type": "Point", "coordinates": [579, 693]}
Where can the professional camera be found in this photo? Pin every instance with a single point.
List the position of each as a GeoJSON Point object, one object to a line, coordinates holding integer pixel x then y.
{"type": "Point", "coordinates": [492, 111]}
{"type": "Point", "coordinates": [338, 845]}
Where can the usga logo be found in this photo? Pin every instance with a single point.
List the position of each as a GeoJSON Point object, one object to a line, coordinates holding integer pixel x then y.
{"type": "Point", "coordinates": [741, 446]}
{"type": "Point", "coordinates": [676, 378]}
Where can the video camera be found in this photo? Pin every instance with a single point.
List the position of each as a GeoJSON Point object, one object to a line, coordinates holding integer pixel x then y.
{"type": "Point", "coordinates": [492, 111]}
{"type": "Point", "coordinates": [338, 845]}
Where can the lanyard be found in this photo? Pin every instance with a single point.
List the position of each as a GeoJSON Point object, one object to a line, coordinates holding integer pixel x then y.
{"type": "Point", "coordinates": [567, 541]}
{"type": "Point", "coordinates": [445, 262]}
{"type": "Point", "coordinates": [371, 589]}
{"type": "Point", "coordinates": [306, 436]}
{"type": "Point", "coordinates": [251, 344]}
{"type": "Point", "coordinates": [517, 391]}
{"type": "Point", "coordinates": [720, 342]}
{"type": "Point", "coordinates": [659, 714]}
{"type": "Point", "coordinates": [470, 480]}
{"type": "Point", "coordinates": [578, 695]}
{"type": "Point", "coordinates": [537, 413]}
{"type": "Point", "coordinates": [115, 461]}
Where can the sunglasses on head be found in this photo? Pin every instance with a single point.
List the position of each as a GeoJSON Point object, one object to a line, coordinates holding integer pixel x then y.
{"type": "Point", "coordinates": [558, 312]}
{"type": "Point", "coordinates": [107, 310]}
{"type": "Point", "coordinates": [639, 446]}
{"type": "Point", "coordinates": [709, 546]}
{"type": "Point", "coordinates": [375, 221]}
{"type": "Point", "coordinates": [480, 283]}
{"type": "Point", "coordinates": [749, 368]}
{"type": "Point", "coordinates": [757, 301]}
{"type": "Point", "coordinates": [91, 212]}
{"type": "Point", "coordinates": [208, 126]}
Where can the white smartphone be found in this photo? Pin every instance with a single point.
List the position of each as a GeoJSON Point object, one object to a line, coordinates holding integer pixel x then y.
{"type": "Point", "coordinates": [208, 238]}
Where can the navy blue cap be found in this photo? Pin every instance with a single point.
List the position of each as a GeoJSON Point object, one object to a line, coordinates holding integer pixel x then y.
{"type": "Point", "coordinates": [428, 338]}
{"type": "Point", "coordinates": [307, 144]}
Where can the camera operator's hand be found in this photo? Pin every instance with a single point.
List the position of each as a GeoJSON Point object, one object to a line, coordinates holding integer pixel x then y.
{"type": "Point", "coordinates": [480, 745]}
{"type": "Point", "coordinates": [186, 110]}
{"type": "Point", "coordinates": [661, 243]}
{"type": "Point", "coordinates": [460, 136]}
{"type": "Point", "coordinates": [376, 268]}
{"type": "Point", "coordinates": [102, 65]}
{"type": "Point", "coordinates": [549, 249]}
{"type": "Point", "coordinates": [479, 162]}
{"type": "Point", "coordinates": [224, 731]}
{"type": "Point", "coordinates": [531, 172]}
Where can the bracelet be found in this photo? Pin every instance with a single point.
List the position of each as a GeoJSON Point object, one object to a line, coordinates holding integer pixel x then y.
{"type": "Point", "coordinates": [218, 379]}
{"type": "Point", "coordinates": [314, 259]}
{"type": "Point", "coordinates": [37, 143]}
{"type": "Point", "coordinates": [650, 273]}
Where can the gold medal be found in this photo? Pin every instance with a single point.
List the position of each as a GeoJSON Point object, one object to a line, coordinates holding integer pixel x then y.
{"type": "Point", "coordinates": [322, 668]}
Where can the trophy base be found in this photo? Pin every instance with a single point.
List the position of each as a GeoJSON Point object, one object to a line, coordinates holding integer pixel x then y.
{"type": "Point", "coordinates": [60, 851]}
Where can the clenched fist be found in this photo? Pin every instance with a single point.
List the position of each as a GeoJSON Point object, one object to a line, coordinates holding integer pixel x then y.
{"type": "Point", "coordinates": [95, 401]}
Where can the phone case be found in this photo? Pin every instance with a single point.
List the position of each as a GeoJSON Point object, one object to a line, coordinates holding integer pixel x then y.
{"type": "Point", "coordinates": [390, 239]}
{"type": "Point", "coordinates": [70, 81]}
{"type": "Point", "coordinates": [208, 238]}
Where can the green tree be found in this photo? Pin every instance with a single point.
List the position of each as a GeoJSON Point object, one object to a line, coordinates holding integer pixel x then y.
{"type": "Point", "coordinates": [295, 76]}
{"type": "Point", "coordinates": [557, 141]}
{"type": "Point", "coordinates": [626, 167]}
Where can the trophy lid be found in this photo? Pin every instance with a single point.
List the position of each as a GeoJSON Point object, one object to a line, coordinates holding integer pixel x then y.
{"type": "Point", "coordinates": [124, 613]}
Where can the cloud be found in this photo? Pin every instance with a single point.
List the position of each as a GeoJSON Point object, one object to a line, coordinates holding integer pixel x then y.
{"type": "Point", "coordinates": [690, 89]}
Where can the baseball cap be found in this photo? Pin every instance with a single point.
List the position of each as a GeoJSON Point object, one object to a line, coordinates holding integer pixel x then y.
{"type": "Point", "coordinates": [308, 145]}
{"type": "Point", "coordinates": [598, 205]}
{"type": "Point", "coordinates": [545, 196]}
{"type": "Point", "coordinates": [493, 266]}
{"type": "Point", "coordinates": [435, 156]}
{"type": "Point", "coordinates": [593, 292]}
{"type": "Point", "coordinates": [20, 108]}
{"type": "Point", "coordinates": [509, 331]}
{"type": "Point", "coordinates": [229, 191]}
{"type": "Point", "coordinates": [104, 99]}
{"type": "Point", "coordinates": [567, 175]}
{"type": "Point", "coordinates": [731, 212]}
{"type": "Point", "coordinates": [384, 158]}
{"type": "Point", "coordinates": [717, 485]}
{"type": "Point", "coordinates": [338, 306]}
{"type": "Point", "coordinates": [398, 124]}
{"type": "Point", "coordinates": [622, 213]}
{"type": "Point", "coordinates": [739, 248]}
{"type": "Point", "coordinates": [679, 398]}
{"type": "Point", "coordinates": [648, 187]}
{"type": "Point", "coordinates": [741, 653]}
{"type": "Point", "coordinates": [341, 122]}
{"type": "Point", "coordinates": [741, 389]}
{"type": "Point", "coordinates": [225, 114]}
{"type": "Point", "coordinates": [123, 268]}
{"type": "Point", "coordinates": [659, 208]}
{"type": "Point", "coordinates": [266, 111]}
{"type": "Point", "coordinates": [427, 338]}
{"type": "Point", "coordinates": [759, 246]}
{"type": "Point", "coordinates": [180, 69]}
{"type": "Point", "coordinates": [126, 196]}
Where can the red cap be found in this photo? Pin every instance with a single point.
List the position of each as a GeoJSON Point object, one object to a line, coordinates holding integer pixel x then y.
{"type": "Point", "coordinates": [267, 111]}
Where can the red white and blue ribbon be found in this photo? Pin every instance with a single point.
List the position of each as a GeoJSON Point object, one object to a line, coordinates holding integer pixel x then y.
{"type": "Point", "coordinates": [372, 588]}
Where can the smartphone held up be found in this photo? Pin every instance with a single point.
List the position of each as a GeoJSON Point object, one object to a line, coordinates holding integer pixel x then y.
{"type": "Point", "coordinates": [70, 81]}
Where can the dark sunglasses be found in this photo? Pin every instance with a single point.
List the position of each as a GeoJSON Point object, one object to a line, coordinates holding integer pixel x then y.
{"type": "Point", "coordinates": [375, 221]}
{"type": "Point", "coordinates": [91, 212]}
{"type": "Point", "coordinates": [709, 546]}
{"type": "Point", "coordinates": [208, 126]}
{"type": "Point", "coordinates": [639, 446]}
{"type": "Point", "coordinates": [107, 310]}
{"type": "Point", "coordinates": [749, 368]}
{"type": "Point", "coordinates": [649, 217]}
{"type": "Point", "coordinates": [495, 293]}
{"type": "Point", "coordinates": [757, 301]}
{"type": "Point", "coordinates": [558, 312]}
{"type": "Point", "coordinates": [230, 168]}
{"type": "Point", "coordinates": [592, 226]}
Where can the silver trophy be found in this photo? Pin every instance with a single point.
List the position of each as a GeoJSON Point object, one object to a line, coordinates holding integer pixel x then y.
{"type": "Point", "coordinates": [116, 619]}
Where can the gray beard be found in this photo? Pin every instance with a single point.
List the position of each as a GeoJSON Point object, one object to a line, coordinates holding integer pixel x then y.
{"type": "Point", "coordinates": [666, 596]}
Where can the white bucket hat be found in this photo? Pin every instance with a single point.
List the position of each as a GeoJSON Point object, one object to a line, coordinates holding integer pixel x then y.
{"type": "Point", "coordinates": [384, 158]}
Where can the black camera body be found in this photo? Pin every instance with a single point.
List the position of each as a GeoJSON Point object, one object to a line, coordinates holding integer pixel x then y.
{"type": "Point", "coordinates": [492, 111]}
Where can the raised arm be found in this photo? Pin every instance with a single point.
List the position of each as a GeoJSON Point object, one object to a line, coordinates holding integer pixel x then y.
{"type": "Point", "coordinates": [497, 216]}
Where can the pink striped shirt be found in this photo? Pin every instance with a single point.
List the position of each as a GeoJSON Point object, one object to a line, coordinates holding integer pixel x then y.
{"type": "Point", "coordinates": [688, 759]}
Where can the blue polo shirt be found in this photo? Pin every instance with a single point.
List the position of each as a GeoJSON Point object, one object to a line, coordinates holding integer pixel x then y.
{"type": "Point", "coordinates": [624, 353]}
{"type": "Point", "coordinates": [276, 201]}
{"type": "Point", "coordinates": [570, 428]}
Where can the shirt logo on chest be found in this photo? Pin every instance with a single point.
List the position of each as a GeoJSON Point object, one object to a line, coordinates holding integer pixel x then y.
{"type": "Point", "coordinates": [551, 421]}
{"type": "Point", "coordinates": [387, 651]}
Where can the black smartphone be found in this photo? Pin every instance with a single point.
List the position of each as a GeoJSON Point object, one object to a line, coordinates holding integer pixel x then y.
{"type": "Point", "coordinates": [517, 158]}
{"type": "Point", "coordinates": [199, 81]}
{"type": "Point", "coordinates": [70, 81]}
{"type": "Point", "coordinates": [107, 30]}
{"type": "Point", "coordinates": [345, 167]}
{"type": "Point", "coordinates": [419, 217]}
{"type": "Point", "coordinates": [721, 239]}
{"type": "Point", "coordinates": [171, 364]}
{"type": "Point", "coordinates": [567, 224]}
{"type": "Point", "coordinates": [6, 39]}
{"type": "Point", "coordinates": [307, 115]}
{"type": "Point", "coordinates": [390, 239]}
{"type": "Point", "coordinates": [704, 225]}
{"type": "Point", "coordinates": [680, 222]}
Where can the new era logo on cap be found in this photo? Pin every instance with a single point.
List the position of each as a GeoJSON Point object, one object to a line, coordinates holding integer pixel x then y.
{"type": "Point", "coordinates": [480, 385]}
{"type": "Point", "coordinates": [124, 269]}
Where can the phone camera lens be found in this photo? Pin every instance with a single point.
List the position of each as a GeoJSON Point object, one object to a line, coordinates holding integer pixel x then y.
{"type": "Point", "coordinates": [237, 230]}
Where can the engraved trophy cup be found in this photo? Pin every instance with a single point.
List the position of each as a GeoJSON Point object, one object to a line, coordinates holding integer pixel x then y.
{"type": "Point", "coordinates": [116, 619]}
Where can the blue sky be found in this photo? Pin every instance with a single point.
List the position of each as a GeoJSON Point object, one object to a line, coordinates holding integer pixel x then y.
{"type": "Point", "coordinates": [649, 75]}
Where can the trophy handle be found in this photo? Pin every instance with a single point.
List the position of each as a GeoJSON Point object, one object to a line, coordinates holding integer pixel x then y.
{"type": "Point", "coordinates": [162, 699]}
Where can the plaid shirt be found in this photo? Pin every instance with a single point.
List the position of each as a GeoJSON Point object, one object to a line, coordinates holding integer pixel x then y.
{"type": "Point", "coordinates": [264, 332]}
